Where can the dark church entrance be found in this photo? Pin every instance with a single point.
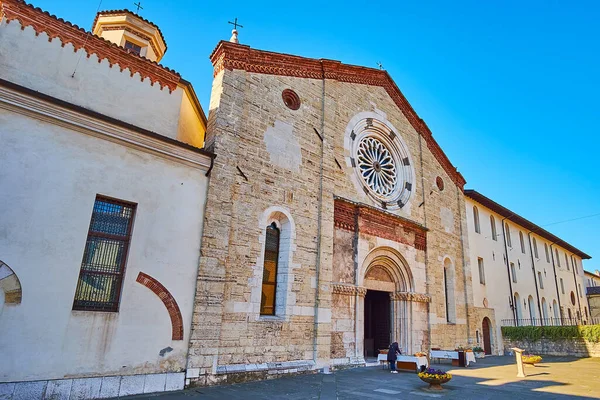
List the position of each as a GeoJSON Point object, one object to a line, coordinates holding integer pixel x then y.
{"type": "Point", "coordinates": [377, 322]}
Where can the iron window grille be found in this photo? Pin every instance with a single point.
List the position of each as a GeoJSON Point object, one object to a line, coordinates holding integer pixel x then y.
{"type": "Point", "coordinates": [105, 256]}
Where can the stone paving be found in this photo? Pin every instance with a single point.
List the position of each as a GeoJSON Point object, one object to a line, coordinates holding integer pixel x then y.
{"type": "Point", "coordinates": [490, 378]}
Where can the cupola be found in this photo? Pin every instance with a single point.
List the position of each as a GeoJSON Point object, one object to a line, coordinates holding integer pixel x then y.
{"type": "Point", "coordinates": [132, 32]}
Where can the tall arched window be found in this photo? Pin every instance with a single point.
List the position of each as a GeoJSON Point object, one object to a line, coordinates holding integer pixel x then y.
{"type": "Point", "coordinates": [508, 240]}
{"type": "Point", "coordinates": [518, 307]}
{"type": "Point", "coordinates": [535, 249]}
{"type": "Point", "coordinates": [556, 313]}
{"type": "Point", "coordinates": [269, 281]}
{"type": "Point", "coordinates": [557, 257]}
{"type": "Point", "coordinates": [493, 225]}
{"type": "Point", "coordinates": [449, 291]}
{"type": "Point", "coordinates": [567, 262]}
{"type": "Point", "coordinates": [547, 253]}
{"type": "Point", "coordinates": [545, 311]}
{"type": "Point", "coordinates": [476, 219]}
{"type": "Point", "coordinates": [531, 305]}
{"type": "Point", "coordinates": [522, 242]}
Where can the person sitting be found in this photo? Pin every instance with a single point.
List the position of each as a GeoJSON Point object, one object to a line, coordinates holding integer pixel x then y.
{"type": "Point", "coordinates": [392, 356]}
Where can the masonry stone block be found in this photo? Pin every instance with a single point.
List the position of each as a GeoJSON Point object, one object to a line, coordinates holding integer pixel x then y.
{"type": "Point", "coordinates": [29, 390]}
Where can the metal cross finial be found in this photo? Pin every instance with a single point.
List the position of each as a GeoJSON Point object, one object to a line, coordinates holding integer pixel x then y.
{"type": "Point", "coordinates": [138, 5]}
{"type": "Point", "coordinates": [380, 65]}
{"type": "Point", "coordinates": [235, 24]}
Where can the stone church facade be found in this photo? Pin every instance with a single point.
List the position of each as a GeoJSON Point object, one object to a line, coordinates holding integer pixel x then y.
{"type": "Point", "coordinates": [369, 209]}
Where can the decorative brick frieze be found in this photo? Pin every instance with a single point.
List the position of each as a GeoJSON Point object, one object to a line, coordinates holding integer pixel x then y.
{"type": "Point", "coordinates": [411, 296]}
{"type": "Point", "coordinates": [169, 302]}
{"type": "Point", "coordinates": [230, 56]}
{"type": "Point", "coordinates": [346, 289]}
{"type": "Point", "coordinates": [372, 221]}
{"type": "Point", "coordinates": [43, 22]}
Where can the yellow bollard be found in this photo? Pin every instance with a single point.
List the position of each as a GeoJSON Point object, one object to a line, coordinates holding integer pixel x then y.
{"type": "Point", "coordinates": [519, 357]}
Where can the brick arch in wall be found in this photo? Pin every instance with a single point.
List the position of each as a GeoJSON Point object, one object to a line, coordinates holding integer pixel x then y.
{"type": "Point", "coordinates": [169, 302]}
{"type": "Point", "coordinates": [10, 285]}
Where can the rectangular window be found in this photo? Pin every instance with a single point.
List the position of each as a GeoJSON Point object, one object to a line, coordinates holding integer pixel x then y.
{"type": "Point", "coordinates": [540, 280]}
{"type": "Point", "coordinates": [579, 284]}
{"type": "Point", "coordinates": [513, 271]}
{"type": "Point", "coordinates": [481, 271]}
{"type": "Point", "coordinates": [562, 286]}
{"type": "Point", "coordinates": [535, 249]}
{"type": "Point", "coordinates": [567, 262]}
{"type": "Point", "coordinates": [557, 257]}
{"type": "Point", "coordinates": [547, 254]}
{"type": "Point", "coordinates": [132, 48]}
{"type": "Point", "coordinates": [104, 256]}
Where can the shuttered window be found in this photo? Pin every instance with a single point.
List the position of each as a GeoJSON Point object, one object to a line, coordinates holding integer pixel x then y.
{"type": "Point", "coordinates": [104, 256]}
{"type": "Point", "coordinates": [269, 283]}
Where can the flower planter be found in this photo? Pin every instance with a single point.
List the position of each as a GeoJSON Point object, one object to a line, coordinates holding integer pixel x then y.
{"type": "Point", "coordinates": [435, 378]}
{"type": "Point", "coordinates": [479, 354]}
{"type": "Point", "coordinates": [531, 360]}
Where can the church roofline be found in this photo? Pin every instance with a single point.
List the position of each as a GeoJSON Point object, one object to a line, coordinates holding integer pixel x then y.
{"type": "Point", "coordinates": [126, 11]}
{"type": "Point", "coordinates": [525, 223]}
{"type": "Point", "coordinates": [54, 27]}
{"type": "Point", "coordinates": [232, 56]}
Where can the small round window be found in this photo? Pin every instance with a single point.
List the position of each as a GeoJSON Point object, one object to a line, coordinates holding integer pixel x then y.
{"type": "Point", "coordinates": [290, 99]}
{"type": "Point", "coordinates": [439, 182]}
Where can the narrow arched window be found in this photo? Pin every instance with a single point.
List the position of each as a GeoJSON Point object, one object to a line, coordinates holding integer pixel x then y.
{"type": "Point", "coordinates": [557, 257]}
{"type": "Point", "coordinates": [493, 225]}
{"type": "Point", "coordinates": [449, 291]}
{"type": "Point", "coordinates": [535, 249]}
{"type": "Point", "coordinates": [508, 240]}
{"type": "Point", "coordinates": [547, 253]}
{"type": "Point", "coordinates": [567, 261]}
{"type": "Point", "coordinates": [476, 219]}
{"type": "Point", "coordinates": [522, 242]}
{"type": "Point", "coordinates": [269, 282]}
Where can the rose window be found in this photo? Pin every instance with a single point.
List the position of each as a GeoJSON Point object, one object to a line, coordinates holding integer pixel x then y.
{"type": "Point", "coordinates": [377, 166]}
{"type": "Point", "coordinates": [381, 162]}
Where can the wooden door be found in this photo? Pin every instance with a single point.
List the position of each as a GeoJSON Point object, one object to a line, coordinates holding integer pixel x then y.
{"type": "Point", "coordinates": [487, 340]}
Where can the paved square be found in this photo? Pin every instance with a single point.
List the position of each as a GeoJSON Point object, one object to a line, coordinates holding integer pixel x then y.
{"type": "Point", "coordinates": [490, 378]}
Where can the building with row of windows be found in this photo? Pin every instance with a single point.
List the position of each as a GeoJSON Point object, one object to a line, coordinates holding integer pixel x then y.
{"type": "Point", "coordinates": [527, 275]}
{"type": "Point", "coordinates": [308, 222]}
{"type": "Point", "coordinates": [592, 287]}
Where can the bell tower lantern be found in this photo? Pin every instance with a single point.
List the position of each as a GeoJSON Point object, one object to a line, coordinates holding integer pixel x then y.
{"type": "Point", "coordinates": [132, 32]}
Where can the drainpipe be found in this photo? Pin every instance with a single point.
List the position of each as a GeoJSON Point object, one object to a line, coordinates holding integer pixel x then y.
{"type": "Point", "coordinates": [556, 283]}
{"type": "Point", "coordinates": [512, 297]}
{"type": "Point", "coordinates": [576, 287]}
{"type": "Point", "coordinates": [319, 217]}
{"type": "Point", "coordinates": [537, 293]}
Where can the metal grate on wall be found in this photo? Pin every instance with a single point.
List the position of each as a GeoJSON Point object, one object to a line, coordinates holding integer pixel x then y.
{"type": "Point", "coordinates": [104, 256]}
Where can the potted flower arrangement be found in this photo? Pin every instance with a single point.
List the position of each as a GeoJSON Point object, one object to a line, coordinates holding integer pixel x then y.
{"type": "Point", "coordinates": [479, 352]}
{"type": "Point", "coordinates": [435, 378]}
{"type": "Point", "coordinates": [531, 359]}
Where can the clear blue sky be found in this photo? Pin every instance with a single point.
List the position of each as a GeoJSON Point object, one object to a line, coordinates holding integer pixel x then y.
{"type": "Point", "coordinates": [509, 90]}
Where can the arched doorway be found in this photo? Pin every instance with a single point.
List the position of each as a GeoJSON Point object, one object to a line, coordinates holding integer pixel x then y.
{"type": "Point", "coordinates": [386, 312]}
{"type": "Point", "coordinates": [487, 338]}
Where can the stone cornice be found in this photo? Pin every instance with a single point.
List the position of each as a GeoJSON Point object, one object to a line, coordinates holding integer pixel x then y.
{"type": "Point", "coordinates": [59, 113]}
{"type": "Point", "coordinates": [230, 56]}
{"type": "Point", "coordinates": [53, 27]}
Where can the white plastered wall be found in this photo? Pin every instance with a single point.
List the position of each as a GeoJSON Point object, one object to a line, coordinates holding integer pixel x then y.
{"type": "Point", "coordinates": [48, 183]}
{"type": "Point", "coordinates": [47, 67]}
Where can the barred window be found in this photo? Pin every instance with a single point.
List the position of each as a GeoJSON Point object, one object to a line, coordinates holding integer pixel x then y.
{"type": "Point", "coordinates": [269, 283]}
{"type": "Point", "coordinates": [104, 256]}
